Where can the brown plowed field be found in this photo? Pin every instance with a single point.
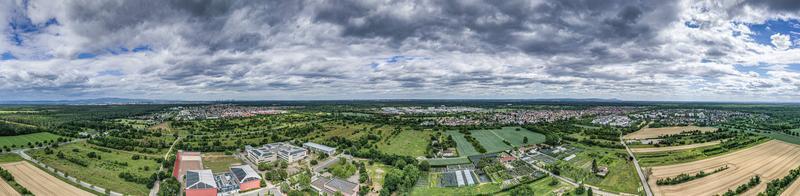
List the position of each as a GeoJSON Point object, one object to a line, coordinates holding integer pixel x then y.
{"type": "Point", "coordinates": [646, 133]}
{"type": "Point", "coordinates": [672, 148]}
{"type": "Point", "coordinates": [769, 160]}
{"type": "Point", "coordinates": [40, 182]}
{"type": "Point", "coordinates": [6, 189]}
{"type": "Point", "coordinates": [793, 189]}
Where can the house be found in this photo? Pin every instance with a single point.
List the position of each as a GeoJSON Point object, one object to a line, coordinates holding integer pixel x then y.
{"type": "Point", "coordinates": [602, 171]}
{"type": "Point", "coordinates": [319, 148]}
{"type": "Point", "coordinates": [449, 152]}
{"type": "Point", "coordinates": [274, 151]}
{"type": "Point", "coordinates": [506, 159]}
{"type": "Point", "coordinates": [200, 183]}
{"type": "Point", "coordinates": [246, 177]}
{"type": "Point", "coordinates": [331, 186]}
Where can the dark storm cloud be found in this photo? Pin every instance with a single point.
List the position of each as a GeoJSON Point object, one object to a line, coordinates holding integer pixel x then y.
{"type": "Point", "coordinates": [776, 5]}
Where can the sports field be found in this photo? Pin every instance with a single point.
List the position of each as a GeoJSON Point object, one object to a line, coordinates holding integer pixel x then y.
{"type": "Point", "coordinates": [22, 140]}
{"type": "Point", "coordinates": [493, 139]}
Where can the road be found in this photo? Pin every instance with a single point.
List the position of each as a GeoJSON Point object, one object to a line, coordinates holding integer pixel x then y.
{"type": "Point", "coordinates": [642, 178]}
{"type": "Point", "coordinates": [154, 190]}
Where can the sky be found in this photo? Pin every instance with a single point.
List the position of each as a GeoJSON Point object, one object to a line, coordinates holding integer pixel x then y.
{"type": "Point", "coordinates": [681, 50]}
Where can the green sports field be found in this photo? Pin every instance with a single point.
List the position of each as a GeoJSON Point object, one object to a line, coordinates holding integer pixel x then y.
{"type": "Point", "coordinates": [22, 140]}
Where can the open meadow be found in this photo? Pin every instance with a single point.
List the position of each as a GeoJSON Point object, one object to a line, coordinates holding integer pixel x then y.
{"type": "Point", "coordinates": [40, 182]}
{"type": "Point", "coordinates": [768, 160]}
{"type": "Point", "coordinates": [493, 139]}
{"type": "Point", "coordinates": [105, 169]}
{"type": "Point", "coordinates": [219, 162]}
{"type": "Point", "coordinates": [23, 140]}
{"type": "Point", "coordinates": [647, 132]}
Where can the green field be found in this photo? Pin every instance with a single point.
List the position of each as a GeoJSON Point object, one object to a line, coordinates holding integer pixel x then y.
{"type": "Point", "coordinates": [103, 172]}
{"type": "Point", "coordinates": [482, 189]}
{"type": "Point", "coordinates": [448, 161]}
{"type": "Point", "coordinates": [23, 140]}
{"type": "Point", "coordinates": [463, 146]}
{"type": "Point", "coordinates": [621, 177]}
{"type": "Point", "coordinates": [407, 142]}
{"type": "Point", "coordinates": [542, 187]}
{"type": "Point", "coordinates": [685, 156]}
{"type": "Point", "coordinates": [492, 140]}
{"type": "Point", "coordinates": [10, 157]}
{"type": "Point", "coordinates": [219, 162]}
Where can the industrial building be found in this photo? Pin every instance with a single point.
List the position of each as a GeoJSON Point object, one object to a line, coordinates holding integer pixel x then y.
{"type": "Point", "coordinates": [200, 183]}
{"type": "Point", "coordinates": [274, 151]}
{"type": "Point", "coordinates": [319, 148]}
{"type": "Point", "coordinates": [331, 186]}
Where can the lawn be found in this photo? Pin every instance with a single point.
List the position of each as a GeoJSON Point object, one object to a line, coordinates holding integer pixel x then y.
{"type": "Point", "coordinates": [516, 135]}
{"type": "Point", "coordinates": [23, 140]}
{"type": "Point", "coordinates": [542, 187]}
{"type": "Point", "coordinates": [407, 142]}
{"type": "Point", "coordinates": [10, 157]}
{"type": "Point", "coordinates": [621, 177]}
{"type": "Point", "coordinates": [448, 161]}
{"type": "Point", "coordinates": [482, 189]}
{"type": "Point", "coordinates": [489, 140]}
{"type": "Point", "coordinates": [219, 162]}
{"type": "Point", "coordinates": [376, 173]}
{"type": "Point", "coordinates": [103, 172]}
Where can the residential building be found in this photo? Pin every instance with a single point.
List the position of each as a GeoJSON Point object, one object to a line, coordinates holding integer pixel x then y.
{"type": "Point", "coordinates": [319, 148]}
{"type": "Point", "coordinates": [200, 183]}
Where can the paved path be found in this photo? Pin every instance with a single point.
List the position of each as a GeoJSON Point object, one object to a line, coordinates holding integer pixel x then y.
{"type": "Point", "coordinates": [642, 178]}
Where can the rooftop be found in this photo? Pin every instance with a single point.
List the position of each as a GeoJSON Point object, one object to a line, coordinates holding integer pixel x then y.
{"type": "Point", "coordinates": [200, 179]}
{"type": "Point", "coordinates": [319, 146]}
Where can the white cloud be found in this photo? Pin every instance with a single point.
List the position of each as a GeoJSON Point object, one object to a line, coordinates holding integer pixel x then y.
{"type": "Point", "coordinates": [781, 41]}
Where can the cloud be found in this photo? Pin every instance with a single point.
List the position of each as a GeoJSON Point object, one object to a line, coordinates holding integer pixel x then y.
{"type": "Point", "coordinates": [781, 41]}
{"type": "Point", "coordinates": [347, 49]}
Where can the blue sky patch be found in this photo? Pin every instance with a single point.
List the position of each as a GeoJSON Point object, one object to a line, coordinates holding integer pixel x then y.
{"type": "Point", "coordinates": [398, 58]}
{"type": "Point", "coordinates": [691, 24]}
{"type": "Point", "coordinates": [8, 56]}
{"type": "Point", "coordinates": [793, 67]}
{"type": "Point", "coordinates": [762, 32]}
{"type": "Point", "coordinates": [112, 72]}
{"type": "Point", "coordinates": [20, 25]}
{"type": "Point", "coordinates": [86, 56]}
{"type": "Point", "coordinates": [142, 48]}
{"type": "Point", "coordinates": [754, 68]}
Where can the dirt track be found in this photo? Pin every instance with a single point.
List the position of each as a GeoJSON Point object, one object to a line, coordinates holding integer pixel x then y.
{"type": "Point", "coordinates": [6, 189]}
{"type": "Point", "coordinates": [646, 133]}
{"type": "Point", "coordinates": [40, 182]}
{"type": "Point", "coordinates": [672, 148]}
{"type": "Point", "coordinates": [769, 160]}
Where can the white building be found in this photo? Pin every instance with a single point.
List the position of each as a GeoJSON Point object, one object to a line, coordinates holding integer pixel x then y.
{"type": "Point", "coordinates": [319, 148]}
{"type": "Point", "coordinates": [274, 151]}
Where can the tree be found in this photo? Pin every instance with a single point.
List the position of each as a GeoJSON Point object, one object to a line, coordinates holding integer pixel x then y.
{"type": "Point", "coordinates": [589, 191]}
{"type": "Point", "coordinates": [522, 190]}
{"type": "Point", "coordinates": [594, 165]}
{"type": "Point", "coordinates": [424, 165]}
{"type": "Point", "coordinates": [169, 187]}
{"type": "Point", "coordinates": [525, 139]}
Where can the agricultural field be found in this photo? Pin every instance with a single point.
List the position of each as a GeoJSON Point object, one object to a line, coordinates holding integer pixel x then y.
{"type": "Point", "coordinates": [673, 148]}
{"type": "Point", "coordinates": [23, 140]}
{"type": "Point", "coordinates": [649, 159]}
{"type": "Point", "coordinates": [493, 139]}
{"type": "Point", "coordinates": [742, 164]}
{"type": "Point", "coordinates": [40, 182]}
{"type": "Point", "coordinates": [103, 171]}
{"type": "Point", "coordinates": [219, 162]}
{"type": "Point", "coordinates": [543, 187]}
{"type": "Point", "coordinates": [6, 189]}
{"type": "Point", "coordinates": [485, 189]}
{"type": "Point", "coordinates": [448, 161]}
{"type": "Point", "coordinates": [646, 133]}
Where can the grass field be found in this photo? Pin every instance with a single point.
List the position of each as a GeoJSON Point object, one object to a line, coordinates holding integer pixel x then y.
{"type": "Point", "coordinates": [542, 187]}
{"type": "Point", "coordinates": [621, 177]}
{"type": "Point", "coordinates": [10, 157]}
{"type": "Point", "coordinates": [448, 161]}
{"type": "Point", "coordinates": [376, 173]}
{"type": "Point", "coordinates": [22, 140]}
{"type": "Point", "coordinates": [407, 142]}
{"type": "Point", "coordinates": [492, 140]}
{"type": "Point", "coordinates": [103, 172]}
{"type": "Point", "coordinates": [219, 162]}
{"type": "Point", "coordinates": [482, 189]}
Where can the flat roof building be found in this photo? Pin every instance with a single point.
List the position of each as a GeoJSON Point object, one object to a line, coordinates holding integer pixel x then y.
{"type": "Point", "coordinates": [320, 148]}
{"type": "Point", "coordinates": [330, 186]}
{"type": "Point", "coordinates": [200, 183]}
{"type": "Point", "coordinates": [246, 177]}
{"type": "Point", "coordinates": [274, 151]}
